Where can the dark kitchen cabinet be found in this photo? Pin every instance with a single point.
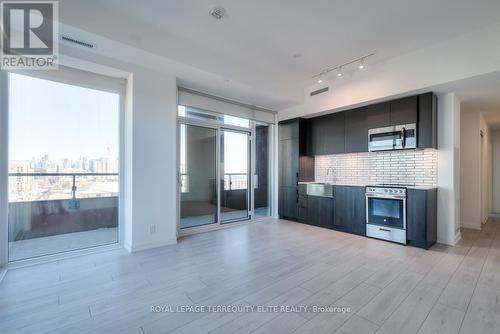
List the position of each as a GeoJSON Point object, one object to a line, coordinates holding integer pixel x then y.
{"type": "Point", "coordinates": [356, 130]}
{"type": "Point", "coordinates": [320, 211]}
{"type": "Point", "coordinates": [327, 134]}
{"type": "Point", "coordinates": [350, 209]}
{"type": "Point", "coordinates": [404, 111]}
{"type": "Point", "coordinates": [421, 213]}
{"type": "Point", "coordinates": [288, 202]}
{"type": "Point", "coordinates": [379, 115]}
{"type": "Point", "coordinates": [289, 153]}
{"type": "Point", "coordinates": [427, 121]}
{"type": "Point", "coordinates": [302, 214]}
{"type": "Point", "coordinates": [294, 166]}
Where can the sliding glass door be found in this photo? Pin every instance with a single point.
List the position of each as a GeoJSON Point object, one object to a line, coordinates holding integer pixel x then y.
{"type": "Point", "coordinates": [224, 168]}
{"type": "Point", "coordinates": [197, 169]}
{"type": "Point", "coordinates": [235, 176]}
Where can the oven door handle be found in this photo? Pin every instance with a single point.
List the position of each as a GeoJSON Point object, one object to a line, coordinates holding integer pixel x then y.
{"type": "Point", "coordinates": [368, 195]}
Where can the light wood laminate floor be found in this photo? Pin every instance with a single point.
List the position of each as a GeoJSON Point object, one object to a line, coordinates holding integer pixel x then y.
{"type": "Point", "coordinates": [389, 288]}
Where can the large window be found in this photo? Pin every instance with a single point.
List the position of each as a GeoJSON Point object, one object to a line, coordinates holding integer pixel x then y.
{"type": "Point", "coordinates": [63, 166]}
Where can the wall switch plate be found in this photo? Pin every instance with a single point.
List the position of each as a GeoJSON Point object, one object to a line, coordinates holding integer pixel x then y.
{"type": "Point", "coordinates": [152, 229]}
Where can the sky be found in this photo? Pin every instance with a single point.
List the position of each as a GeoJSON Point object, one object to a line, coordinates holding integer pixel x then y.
{"type": "Point", "coordinates": [61, 120]}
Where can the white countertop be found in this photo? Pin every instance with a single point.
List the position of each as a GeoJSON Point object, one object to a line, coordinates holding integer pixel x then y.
{"type": "Point", "coordinates": [364, 185]}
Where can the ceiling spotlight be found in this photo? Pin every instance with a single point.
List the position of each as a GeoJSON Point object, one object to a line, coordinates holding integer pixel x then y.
{"type": "Point", "coordinates": [319, 80]}
{"type": "Point", "coordinates": [218, 12]}
{"type": "Point", "coordinates": [362, 64]}
{"type": "Point", "coordinates": [339, 73]}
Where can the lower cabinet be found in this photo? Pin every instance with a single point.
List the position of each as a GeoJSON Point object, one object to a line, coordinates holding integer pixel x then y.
{"type": "Point", "coordinates": [320, 211]}
{"type": "Point", "coordinates": [350, 209]}
{"type": "Point", "coordinates": [421, 213]}
{"type": "Point", "coordinates": [288, 202]}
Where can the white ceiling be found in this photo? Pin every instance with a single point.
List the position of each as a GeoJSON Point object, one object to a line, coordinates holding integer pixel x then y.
{"type": "Point", "coordinates": [256, 42]}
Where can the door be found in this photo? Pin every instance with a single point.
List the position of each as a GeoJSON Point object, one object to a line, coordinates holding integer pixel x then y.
{"type": "Point", "coordinates": [261, 173]}
{"type": "Point", "coordinates": [197, 173]}
{"type": "Point", "coordinates": [234, 175]}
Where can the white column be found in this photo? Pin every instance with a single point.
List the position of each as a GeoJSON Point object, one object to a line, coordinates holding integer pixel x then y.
{"type": "Point", "coordinates": [448, 169]}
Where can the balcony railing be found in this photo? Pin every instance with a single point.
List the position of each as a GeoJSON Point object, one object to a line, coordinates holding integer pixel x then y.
{"type": "Point", "coordinates": [49, 204]}
{"type": "Point", "coordinates": [24, 186]}
{"type": "Point", "coordinates": [232, 181]}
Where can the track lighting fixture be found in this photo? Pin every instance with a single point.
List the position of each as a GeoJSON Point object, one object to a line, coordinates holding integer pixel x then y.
{"type": "Point", "coordinates": [339, 68]}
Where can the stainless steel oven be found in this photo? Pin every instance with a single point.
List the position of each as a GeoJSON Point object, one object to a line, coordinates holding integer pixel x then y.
{"type": "Point", "coordinates": [386, 213]}
{"type": "Point", "coordinates": [397, 137]}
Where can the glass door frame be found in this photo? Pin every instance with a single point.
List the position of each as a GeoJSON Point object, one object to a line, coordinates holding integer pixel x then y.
{"type": "Point", "coordinates": [249, 196]}
{"type": "Point", "coordinates": [219, 128]}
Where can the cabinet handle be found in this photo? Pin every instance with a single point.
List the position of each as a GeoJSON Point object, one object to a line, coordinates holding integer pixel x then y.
{"type": "Point", "coordinates": [384, 229]}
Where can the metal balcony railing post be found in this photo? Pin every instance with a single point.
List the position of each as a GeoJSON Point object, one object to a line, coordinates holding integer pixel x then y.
{"type": "Point", "coordinates": [73, 189]}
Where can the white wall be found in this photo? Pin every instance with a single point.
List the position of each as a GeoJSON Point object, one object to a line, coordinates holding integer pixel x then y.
{"type": "Point", "coordinates": [486, 169]}
{"type": "Point", "coordinates": [475, 169]}
{"type": "Point", "coordinates": [448, 169]}
{"type": "Point", "coordinates": [470, 170]}
{"type": "Point", "coordinates": [496, 172]}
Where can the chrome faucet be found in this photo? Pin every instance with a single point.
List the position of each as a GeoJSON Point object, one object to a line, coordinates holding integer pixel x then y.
{"type": "Point", "coordinates": [328, 171]}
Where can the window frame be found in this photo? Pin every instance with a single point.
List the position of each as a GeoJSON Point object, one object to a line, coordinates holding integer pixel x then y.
{"type": "Point", "coordinates": [75, 77]}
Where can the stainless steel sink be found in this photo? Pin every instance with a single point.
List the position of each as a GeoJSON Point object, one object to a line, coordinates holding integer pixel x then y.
{"type": "Point", "coordinates": [320, 189]}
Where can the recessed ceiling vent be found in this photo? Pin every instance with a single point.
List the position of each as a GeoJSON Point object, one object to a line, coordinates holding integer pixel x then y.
{"type": "Point", "coordinates": [77, 42]}
{"type": "Point", "coordinates": [218, 12]}
{"type": "Point", "coordinates": [320, 91]}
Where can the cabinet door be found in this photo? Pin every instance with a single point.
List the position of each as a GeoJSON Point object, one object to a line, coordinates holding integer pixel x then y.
{"type": "Point", "coordinates": [416, 215]}
{"type": "Point", "coordinates": [320, 211]}
{"type": "Point", "coordinates": [356, 130]}
{"type": "Point", "coordinates": [350, 209]}
{"type": "Point", "coordinates": [327, 134]}
{"type": "Point", "coordinates": [404, 111]}
{"type": "Point", "coordinates": [288, 129]}
{"type": "Point", "coordinates": [288, 202]}
{"type": "Point", "coordinates": [379, 115]}
{"type": "Point", "coordinates": [342, 210]}
{"type": "Point", "coordinates": [358, 210]}
{"type": "Point", "coordinates": [427, 121]}
{"type": "Point", "coordinates": [288, 162]}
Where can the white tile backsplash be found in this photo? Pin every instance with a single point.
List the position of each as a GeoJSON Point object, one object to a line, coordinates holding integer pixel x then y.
{"type": "Point", "coordinates": [412, 167]}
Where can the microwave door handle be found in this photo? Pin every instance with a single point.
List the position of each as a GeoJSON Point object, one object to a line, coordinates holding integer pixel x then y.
{"type": "Point", "coordinates": [403, 137]}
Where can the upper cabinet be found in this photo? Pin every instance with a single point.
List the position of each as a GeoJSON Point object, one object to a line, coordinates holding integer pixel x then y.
{"type": "Point", "coordinates": [379, 116]}
{"type": "Point", "coordinates": [356, 130]}
{"type": "Point", "coordinates": [327, 134]}
{"type": "Point", "coordinates": [427, 121]}
{"type": "Point", "coordinates": [404, 111]}
{"type": "Point", "coordinates": [347, 131]}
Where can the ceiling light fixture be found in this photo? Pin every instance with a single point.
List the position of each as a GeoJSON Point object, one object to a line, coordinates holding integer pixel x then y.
{"type": "Point", "coordinates": [218, 12]}
{"type": "Point", "coordinates": [362, 64]}
{"type": "Point", "coordinates": [339, 68]}
{"type": "Point", "coordinates": [320, 81]}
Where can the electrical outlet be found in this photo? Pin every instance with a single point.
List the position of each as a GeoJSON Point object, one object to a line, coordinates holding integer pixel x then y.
{"type": "Point", "coordinates": [152, 229]}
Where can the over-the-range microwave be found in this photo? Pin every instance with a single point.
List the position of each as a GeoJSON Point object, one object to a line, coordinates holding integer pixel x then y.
{"type": "Point", "coordinates": [398, 137]}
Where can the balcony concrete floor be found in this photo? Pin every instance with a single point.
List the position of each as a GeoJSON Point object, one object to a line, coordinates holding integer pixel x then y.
{"type": "Point", "coordinates": [29, 248]}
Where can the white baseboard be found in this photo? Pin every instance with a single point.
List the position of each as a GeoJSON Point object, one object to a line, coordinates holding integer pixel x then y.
{"type": "Point", "coordinates": [132, 248]}
{"type": "Point", "coordinates": [471, 226]}
{"type": "Point", "coordinates": [458, 236]}
{"type": "Point", "coordinates": [3, 271]}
